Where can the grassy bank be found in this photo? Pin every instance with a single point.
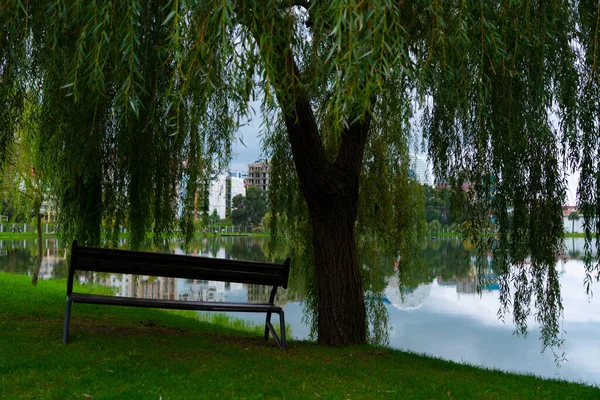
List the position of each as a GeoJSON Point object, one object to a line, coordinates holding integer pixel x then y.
{"type": "Point", "coordinates": [22, 235]}
{"type": "Point", "coordinates": [119, 352]}
{"type": "Point", "coordinates": [126, 235]}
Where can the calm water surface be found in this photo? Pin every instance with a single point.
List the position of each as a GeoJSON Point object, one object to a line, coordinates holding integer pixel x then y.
{"type": "Point", "coordinates": [443, 316]}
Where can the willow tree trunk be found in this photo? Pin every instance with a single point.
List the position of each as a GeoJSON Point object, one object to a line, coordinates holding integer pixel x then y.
{"type": "Point", "coordinates": [331, 193]}
{"type": "Point", "coordinates": [341, 308]}
{"type": "Point", "coordinates": [330, 188]}
{"type": "Point", "coordinates": [40, 250]}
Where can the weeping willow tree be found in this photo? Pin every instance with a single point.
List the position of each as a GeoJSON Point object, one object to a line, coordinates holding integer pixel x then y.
{"type": "Point", "coordinates": [24, 183]}
{"type": "Point", "coordinates": [141, 101]}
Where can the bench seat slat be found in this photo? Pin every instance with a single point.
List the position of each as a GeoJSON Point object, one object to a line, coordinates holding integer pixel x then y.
{"type": "Point", "coordinates": [198, 269]}
{"type": "Point", "coordinates": [183, 261]}
{"type": "Point", "coordinates": [142, 257]}
{"type": "Point", "coordinates": [182, 272]}
{"type": "Point", "coordinates": [174, 304]}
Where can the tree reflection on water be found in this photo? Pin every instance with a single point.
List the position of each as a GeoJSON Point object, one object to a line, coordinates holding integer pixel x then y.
{"type": "Point", "coordinates": [444, 260]}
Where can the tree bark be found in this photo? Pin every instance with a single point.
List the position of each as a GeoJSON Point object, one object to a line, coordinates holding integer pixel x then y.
{"type": "Point", "coordinates": [40, 249]}
{"type": "Point", "coordinates": [341, 309]}
{"type": "Point", "coordinates": [331, 193]}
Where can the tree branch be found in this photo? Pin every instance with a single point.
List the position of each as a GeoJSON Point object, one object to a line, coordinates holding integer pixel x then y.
{"type": "Point", "coordinates": [12, 189]}
{"type": "Point", "coordinates": [354, 139]}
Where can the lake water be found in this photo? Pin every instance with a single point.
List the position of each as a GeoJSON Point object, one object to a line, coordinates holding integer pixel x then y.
{"type": "Point", "coordinates": [444, 316]}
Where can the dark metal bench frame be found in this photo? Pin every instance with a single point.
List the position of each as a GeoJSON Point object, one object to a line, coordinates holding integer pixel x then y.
{"type": "Point", "coordinates": [178, 266]}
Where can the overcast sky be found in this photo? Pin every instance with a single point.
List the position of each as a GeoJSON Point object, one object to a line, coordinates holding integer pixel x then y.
{"type": "Point", "coordinates": [250, 151]}
{"type": "Point", "coordinates": [249, 133]}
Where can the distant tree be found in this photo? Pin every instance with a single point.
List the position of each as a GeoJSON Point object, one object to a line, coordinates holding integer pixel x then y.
{"type": "Point", "coordinates": [574, 216]}
{"type": "Point", "coordinates": [239, 214]}
{"type": "Point", "coordinates": [437, 205]}
{"type": "Point", "coordinates": [214, 217]}
{"type": "Point", "coordinates": [434, 227]}
{"type": "Point", "coordinates": [25, 182]}
{"type": "Point", "coordinates": [249, 209]}
{"type": "Point", "coordinates": [256, 201]}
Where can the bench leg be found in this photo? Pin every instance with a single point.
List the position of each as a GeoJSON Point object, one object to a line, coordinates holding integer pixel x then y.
{"type": "Point", "coordinates": [67, 320]}
{"type": "Point", "coordinates": [280, 340]}
{"type": "Point", "coordinates": [282, 329]}
{"type": "Point", "coordinates": [267, 322]}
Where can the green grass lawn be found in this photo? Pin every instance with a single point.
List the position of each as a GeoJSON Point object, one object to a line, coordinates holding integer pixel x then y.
{"type": "Point", "coordinates": [22, 235]}
{"type": "Point", "coordinates": [130, 353]}
{"type": "Point", "coordinates": [33, 235]}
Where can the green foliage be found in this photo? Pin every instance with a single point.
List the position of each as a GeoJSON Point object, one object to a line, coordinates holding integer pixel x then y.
{"type": "Point", "coordinates": [125, 121]}
{"type": "Point", "coordinates": [214, 217]}
{"type": "Point", "coordinates": [491, 75]}
{"type": "Point", "coordinates": [249, 209]}
{"type": "Point", "coordinates": [25, 182]}
{"type": "Point", "coordinates": [267, 220]}
{"type": "Point", "coordinates": [438, 205]}
{"type": "Point", "coordinates": [434, 227]}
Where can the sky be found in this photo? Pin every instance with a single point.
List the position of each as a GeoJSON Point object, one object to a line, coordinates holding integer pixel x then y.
{"type": "Point", "coordinates": [248, 149]}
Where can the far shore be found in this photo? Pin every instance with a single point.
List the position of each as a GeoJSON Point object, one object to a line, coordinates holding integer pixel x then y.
{"type": "Point", "coordinates": [33, 235]}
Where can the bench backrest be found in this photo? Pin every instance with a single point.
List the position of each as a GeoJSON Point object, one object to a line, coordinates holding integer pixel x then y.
{"type": "Point", "coordinates": [176, 266]}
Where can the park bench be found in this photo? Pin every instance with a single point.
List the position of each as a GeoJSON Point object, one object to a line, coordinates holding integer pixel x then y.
{"type": "Point", "coordinates": [178, 266]}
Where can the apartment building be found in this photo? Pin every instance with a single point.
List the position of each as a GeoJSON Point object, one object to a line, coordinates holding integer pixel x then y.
{"type": "Point", "coordinates": [259, 174]}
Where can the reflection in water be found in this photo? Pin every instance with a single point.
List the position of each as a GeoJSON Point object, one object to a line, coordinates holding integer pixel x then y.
{"type": "Point", "coordinates": [19, 256]}
{"type": "Point", "coordinates": [447, 309]}
{"type": "Point", "coordinates": [407, 300]}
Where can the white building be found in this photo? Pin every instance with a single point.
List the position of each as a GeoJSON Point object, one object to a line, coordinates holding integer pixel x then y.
{"type": "Point", "coordinates": [236, 186]}
{"type": "Point", "coordinates": [223, 189]}
{"type": "Point", "coordinates": [217, 196]}
{"type": "Point", "coordinates": [420, 170]}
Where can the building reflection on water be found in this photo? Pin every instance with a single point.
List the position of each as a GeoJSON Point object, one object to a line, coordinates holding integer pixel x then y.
{"type": "Point", "coordinates": [20, 256]}
{"type": "Point", "coordinates": [53, 255]}
{"type": "Point", "coordinates": [149, 287]}
{"type": "Point", "coordinates": [473, 282]}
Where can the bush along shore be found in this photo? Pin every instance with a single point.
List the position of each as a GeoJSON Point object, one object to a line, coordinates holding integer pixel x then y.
{"type": "Point", "coordinates": [130, 353]}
